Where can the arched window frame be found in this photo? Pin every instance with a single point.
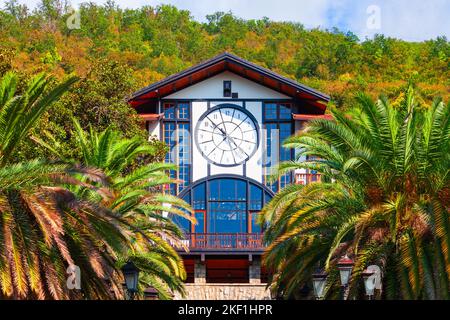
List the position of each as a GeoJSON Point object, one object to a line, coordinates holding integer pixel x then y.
{"type": "Point", "coordinates": [267, 194]}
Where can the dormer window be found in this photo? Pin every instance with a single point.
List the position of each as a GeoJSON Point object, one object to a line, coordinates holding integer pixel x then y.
{"type": "Point", "coordinates": [227, 88]}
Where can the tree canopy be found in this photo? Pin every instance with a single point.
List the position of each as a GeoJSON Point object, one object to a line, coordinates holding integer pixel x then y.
{"type": "Point", "coordinates": [154, 42]}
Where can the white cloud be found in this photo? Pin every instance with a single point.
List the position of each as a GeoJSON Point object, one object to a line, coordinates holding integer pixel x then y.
{"type": "Point", "coordinates": [412, 20]}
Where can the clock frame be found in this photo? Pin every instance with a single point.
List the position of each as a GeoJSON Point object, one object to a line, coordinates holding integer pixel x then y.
{"type": "Point", "coordinates": [213, 110]}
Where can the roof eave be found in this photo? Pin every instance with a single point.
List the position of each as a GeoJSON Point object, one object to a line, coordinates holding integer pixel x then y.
{"type": "Point", "coordinates": [229, 57]}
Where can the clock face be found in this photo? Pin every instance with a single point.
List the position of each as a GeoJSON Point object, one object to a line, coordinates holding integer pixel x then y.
{"type": "Point", "coordinates": [227, 135]}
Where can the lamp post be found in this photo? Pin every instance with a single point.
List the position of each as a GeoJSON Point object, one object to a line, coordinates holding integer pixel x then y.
{"type": "Point", "coordinates": [345, 266]}
{"type": "Point", "coordinates": [131, 275]}
{"type": "Point", "coordinates": [319, 282]}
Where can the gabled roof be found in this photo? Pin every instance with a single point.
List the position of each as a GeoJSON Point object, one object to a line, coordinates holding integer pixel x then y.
{"type": "Point", "coordinates": [237, 65]}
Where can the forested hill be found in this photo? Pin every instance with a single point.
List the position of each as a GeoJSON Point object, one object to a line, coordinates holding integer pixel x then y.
{"type": "Point", "coordinates": [151, 43]}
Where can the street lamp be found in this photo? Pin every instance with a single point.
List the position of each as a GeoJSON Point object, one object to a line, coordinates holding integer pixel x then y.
{"type": "Point", "coordinates": [131, 275]}
{"type": "Point", "coordinates": [345, 266]}
{"type": "Point", "coordinates": [319, 282]}
{"type": "Point", "coordinates": [369, 282]}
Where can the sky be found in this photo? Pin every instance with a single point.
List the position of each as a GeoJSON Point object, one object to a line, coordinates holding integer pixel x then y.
{"type": "Point", "coordinates": [411, 20]}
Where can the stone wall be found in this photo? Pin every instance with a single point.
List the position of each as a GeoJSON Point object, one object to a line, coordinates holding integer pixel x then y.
{"type": "Point", "coordinates": [201, 290]}
{"type": "Point", "coordinates": [225, 291]}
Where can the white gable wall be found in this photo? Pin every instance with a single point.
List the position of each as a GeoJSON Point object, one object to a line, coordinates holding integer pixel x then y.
{"type": "Point", "coordinates": [212, 88]}
{"type": "Point", "coordinates": [208, 94]}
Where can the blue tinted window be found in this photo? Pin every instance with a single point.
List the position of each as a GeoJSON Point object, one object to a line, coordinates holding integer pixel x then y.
{"type": "Point", "coordinates": [176, 136]}
{"type": "Point", "coordinates": [169, 129]}
{"type": "Point", "coordinates": [183, 223]}
{"type": "Point", "coordinates": [200, 226]}
{"type": "Point", "coordinates": [270, 111]}
{"type": "Point", "coordinates": [271, 144]}
{"type": "Point", "coordinates": [255, 197]}
{"type": "Point", "coordinates": [183, 110]}
{"type": "Point", "coordinates": [227, 190]}
{"type": "Point", "coordinates": [184, 176]}
{"type": "Point", "coordinates": [227, 217]}
{"type": "Point", "coordinates": [183, 143]}
{"type": "Point", "coordinates": [241, 192]}
{"type": "Point", "coordinates": [285, 180]}
{"type": "Point", "coordinates": [273, 186]}
{"type": "Point", "coordinates": [169, 111]}
{"type": "Point", "coordinates": [173, 186]}
{"type": "Point", "coordinates": [285, 112]}
{"type": "Point", "coordinates": [285, 132]}
{"type": "Point", "coordinates": [278, 129]}
{"type": "Point", "coordinates": [227, 209]}
{"type": "Point", "coordinates": [199, 202]}
{"type": "Point", "coordinates": [214, 190]}
{"type": "Point", "coordinates": [256, 228]}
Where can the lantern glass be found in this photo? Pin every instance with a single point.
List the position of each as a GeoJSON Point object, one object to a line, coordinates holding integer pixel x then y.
{"type": "Point", "coordinates": [131, 275]}
{"type": "Point", "coordinates": [319, 282]}
{"type": "Point", "coordinates": [369, 283]}
{"type": "Point", "coordinates": [345, 273]}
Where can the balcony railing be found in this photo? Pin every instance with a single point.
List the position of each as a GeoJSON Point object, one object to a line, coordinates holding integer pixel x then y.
{"type": "Point", "coordinates": [307, 178]}
{"type": "Point", "coordinates": [225, 241]}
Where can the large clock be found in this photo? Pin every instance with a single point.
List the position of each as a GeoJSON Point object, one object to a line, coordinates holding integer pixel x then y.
{"type": "Point", "coordinates": [227, 135]}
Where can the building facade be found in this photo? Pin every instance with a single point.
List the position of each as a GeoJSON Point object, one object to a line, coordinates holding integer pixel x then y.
{"type": "Point", "coordinates": [224, 121]}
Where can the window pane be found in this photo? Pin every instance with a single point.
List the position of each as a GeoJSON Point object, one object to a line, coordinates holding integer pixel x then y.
{"type": "Point", "coordinates": [183, 143]}
{"type": "Point", "coordinates": [173, 186]}
{"type": "Point", "coordinates": [285, 132]}
{"type": "Point", "coordinates": [273, 186]}
{"type": "Point", "coordinates": [285, 180]}
{"type": "Point", "coordinates": [285, 112]}
{"type": "Point", "coordinates": [169, 111]}
{"type": "Point", "coordinates": [267, 197]}
{"type": "Point", "coordinates": [200, 226]}
{"type": "Point", "coordinates": [177, 138]}
{"type": "Point", "coordinates": [227, 217]}
{"type": "Point", "coordinates": [214, 190]}
{"type": "Point", "coordinates": [255, 197]}
{"type": "Point", "coordinates": [183, 110]}
{"type": "Point", "coordinates": [256, 228]}
{"type": "Point", "coordinates": [169, 140]}
{"type": "Point", "coordinates": [199, 197]}
{"type": "Point", "coordinates": [227, 190]}
{"type": "Point", "coordinates": [272, 144]}
{"type": "Point", "coordinates": [241, 190]}
{"type": "Point", "coordinates": [184, 176]}
{"type": "Point", "coordinates": [270, 111]}
{"type": "Point", "coordinates": [183, 223]}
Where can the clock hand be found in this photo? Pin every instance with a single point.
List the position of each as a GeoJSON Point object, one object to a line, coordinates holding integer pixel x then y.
{"type": "Point", "coordinates": [242, 150]}
{"type": "Point", "coordinates": [221, 130]}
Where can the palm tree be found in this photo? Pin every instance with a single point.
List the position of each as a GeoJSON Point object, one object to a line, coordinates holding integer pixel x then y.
{"type": "Point", "coordinates": [135, 193]}
{"type": "Point", "coordinates": [384, 199]}
{"type": "Point", "coordinates": [45, 228]}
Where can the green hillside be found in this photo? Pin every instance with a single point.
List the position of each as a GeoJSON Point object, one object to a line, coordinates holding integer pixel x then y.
{"type": "Point", "coordinates": [116, 51]}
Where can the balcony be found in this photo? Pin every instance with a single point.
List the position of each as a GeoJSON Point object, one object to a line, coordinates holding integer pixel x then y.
{"type": "Point", "coordinates": [307, 178]}
{"type": "Point", "coordinates": [245, 242]}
